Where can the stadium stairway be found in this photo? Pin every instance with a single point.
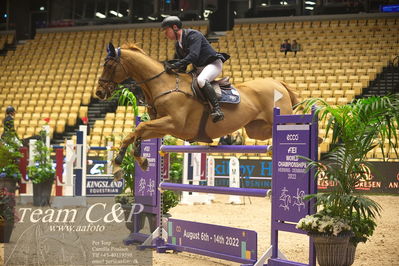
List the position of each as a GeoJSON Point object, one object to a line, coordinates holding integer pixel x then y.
{"type": "Point", "coordinates": [8, 46]}
{"type": "Point", "coordinates": [97, 110]}
{"type": "Point", "coordinates": [386, 82]}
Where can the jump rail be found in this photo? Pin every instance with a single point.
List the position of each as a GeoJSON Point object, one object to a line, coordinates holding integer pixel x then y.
{"type": "Point", "coordinates": [251, 192]}
{"type": "Point", "coordinates": [217, 149]}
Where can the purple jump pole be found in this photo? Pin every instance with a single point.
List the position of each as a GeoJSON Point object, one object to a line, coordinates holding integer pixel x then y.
{"type": "Point", "coordinates": [251, 192]}
{"type": "Point", "coordinates": [217, 149]}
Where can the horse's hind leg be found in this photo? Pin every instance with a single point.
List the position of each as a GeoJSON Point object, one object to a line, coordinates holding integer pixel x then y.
{"type": "Point", "coordinates": [259, 130]}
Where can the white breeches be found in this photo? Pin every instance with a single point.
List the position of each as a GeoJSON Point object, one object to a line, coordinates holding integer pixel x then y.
{"type": "Point", "coordinates": [209, 72]}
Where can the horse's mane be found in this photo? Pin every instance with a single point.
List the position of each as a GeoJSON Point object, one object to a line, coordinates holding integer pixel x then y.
{"type": "Point", "coordinates": [133, 47]}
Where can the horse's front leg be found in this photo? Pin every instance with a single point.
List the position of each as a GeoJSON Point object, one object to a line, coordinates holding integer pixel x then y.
{"type": "Point", "coordinates": [145, 130]}
{"type": "Point", "coordinates": [136, 153]}
{"type": "Point", "coordinates": [117, 170]}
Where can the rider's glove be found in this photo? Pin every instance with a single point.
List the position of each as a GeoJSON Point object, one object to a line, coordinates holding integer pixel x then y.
{"type": "Point", "coordinates": [180, 65]}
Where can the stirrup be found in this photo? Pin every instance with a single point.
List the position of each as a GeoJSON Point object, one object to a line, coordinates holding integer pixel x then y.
{"type": "Point", "coordinates": [217, 116]}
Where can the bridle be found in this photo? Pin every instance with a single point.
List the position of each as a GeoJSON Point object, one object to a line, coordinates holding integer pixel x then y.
{"type": "Point", "coordinates": [110, 84]}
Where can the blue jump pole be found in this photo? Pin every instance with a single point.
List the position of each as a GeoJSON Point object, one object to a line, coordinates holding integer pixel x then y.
{"type": "Point", "coordinates": [96, 148]}
{"type": "Point", "coordinates": [217, 149]}
{"type": "Point", "coordinates": [251, 192]}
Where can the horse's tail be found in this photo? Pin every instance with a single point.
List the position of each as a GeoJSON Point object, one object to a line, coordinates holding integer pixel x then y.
{"type": "Point", "coordinates": [293, 95]}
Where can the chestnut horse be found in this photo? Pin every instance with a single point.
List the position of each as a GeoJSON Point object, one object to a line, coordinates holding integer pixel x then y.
{"type": "Point", "coordinates": [175, 112]}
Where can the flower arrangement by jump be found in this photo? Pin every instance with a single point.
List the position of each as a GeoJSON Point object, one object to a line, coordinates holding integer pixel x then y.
{"type": "Point", "coordinates": [324, 224]}
{"type": "Point", "coordinates": [42, 170]}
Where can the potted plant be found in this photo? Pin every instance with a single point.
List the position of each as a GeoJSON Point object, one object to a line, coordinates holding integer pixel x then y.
{"type": "Point", "coordinates": [9, 168]}
{"type": "Point", "coordinates": [356, 129]}
{"type": "Point", "coordinates": [330, 234]}
{"type": "Point", "coordinates": [7, 214]}
{"type": "Point", "coordinates": [41, 173]}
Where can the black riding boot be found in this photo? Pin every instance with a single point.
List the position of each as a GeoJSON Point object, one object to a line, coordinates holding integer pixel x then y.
{"type": "Point", "coordinates": [210, 93]}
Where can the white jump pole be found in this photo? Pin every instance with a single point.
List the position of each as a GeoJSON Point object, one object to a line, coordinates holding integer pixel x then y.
{"type": "Point", "coordinates": [83, 128]}
{"type": "Point", "coordinates": [32, 153]}
{"type": "Point", "coordinates": [185, 198]}
{"type": "Point", "coordinates": [234, 179]}
{"type": "Point", "coordinates": [198, 171]}
{"type": "Point", "coordinates": [67, 176]}
{"type": "Point", "coordinates": [210, 173]}
{"type": "Point", "coordinates": [110, 157]}
{"type": "Point", "coordinates": [191, 198]}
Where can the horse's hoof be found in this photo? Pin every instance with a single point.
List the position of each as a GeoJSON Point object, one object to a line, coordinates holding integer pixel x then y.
{"type": "Point", "coordinates": [118, 175]}
{"type": "Point", "coordinates": [119, 159]}
{"type": "Point", "coordinates": [144, 164]}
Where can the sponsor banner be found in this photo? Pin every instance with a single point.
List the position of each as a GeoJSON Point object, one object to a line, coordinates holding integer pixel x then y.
{"type": "Point", "coordinates": [231, 241]}
{"type": "Point", "coordinates": [95, 168]}
{"type": "Point", "coordinates": [383, 178]}
{"type": "Point", "coordinates": [248, 168]}
{"type": "Point", "coordinates": [103, 186]}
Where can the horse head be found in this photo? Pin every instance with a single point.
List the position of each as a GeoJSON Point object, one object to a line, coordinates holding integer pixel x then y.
{"type": "Point", "coordinates": [113, 73]}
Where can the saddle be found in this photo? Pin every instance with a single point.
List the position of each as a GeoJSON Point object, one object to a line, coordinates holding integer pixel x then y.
{"type": "Point", "coordinates": [225, 91]}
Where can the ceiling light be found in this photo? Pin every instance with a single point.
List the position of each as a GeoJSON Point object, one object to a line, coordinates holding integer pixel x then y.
{"type": "Point", "coordinates": [117, 14]}
{"type": "Point", "coordinates": [100, 15]}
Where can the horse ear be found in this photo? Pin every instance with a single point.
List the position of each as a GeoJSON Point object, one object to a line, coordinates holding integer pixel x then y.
{"type": "Point", "coordinates": [111, 50]}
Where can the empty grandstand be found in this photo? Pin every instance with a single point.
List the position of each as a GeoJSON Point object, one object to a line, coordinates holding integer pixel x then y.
{"type": "Point", "coordinates": [54, 74]}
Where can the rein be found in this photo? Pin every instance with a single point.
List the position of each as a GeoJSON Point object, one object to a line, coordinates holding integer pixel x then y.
{"type": "Point", "coordinates": [110, 83]}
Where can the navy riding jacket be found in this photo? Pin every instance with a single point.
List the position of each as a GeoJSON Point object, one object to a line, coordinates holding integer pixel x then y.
{"type": "Point", "coordinates": [197, 50]}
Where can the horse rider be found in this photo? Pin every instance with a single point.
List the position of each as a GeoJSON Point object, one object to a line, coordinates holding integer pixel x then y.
{"type": "Point", "coordinates": [193, 48]}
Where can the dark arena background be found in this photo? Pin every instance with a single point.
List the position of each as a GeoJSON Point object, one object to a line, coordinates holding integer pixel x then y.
{"type": "Point", "coordinates": [52, 54]}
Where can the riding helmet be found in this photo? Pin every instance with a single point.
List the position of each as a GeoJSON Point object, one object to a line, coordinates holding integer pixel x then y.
{"type": "Point", "coordinates": [170, 21]}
